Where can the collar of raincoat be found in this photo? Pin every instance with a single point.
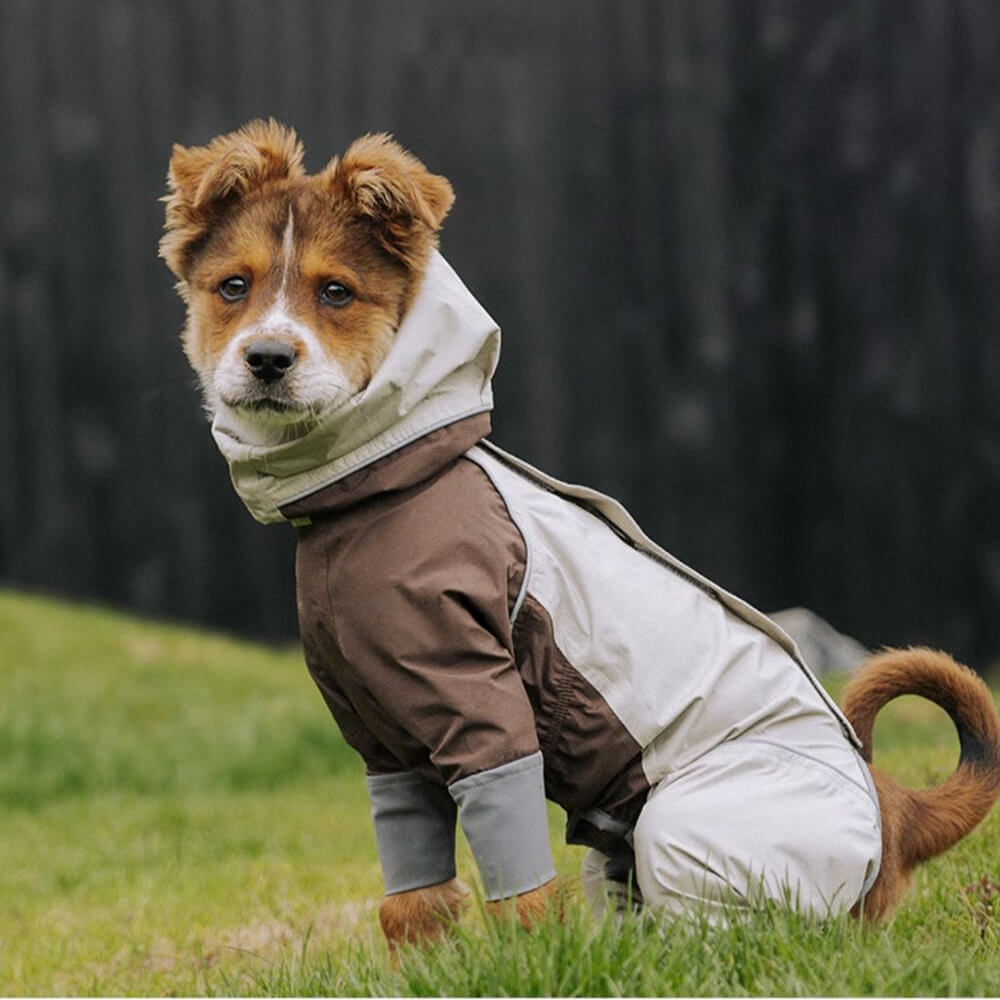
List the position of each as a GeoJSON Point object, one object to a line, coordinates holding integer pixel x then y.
{"type": "Point", "coordinates": [437, 372]}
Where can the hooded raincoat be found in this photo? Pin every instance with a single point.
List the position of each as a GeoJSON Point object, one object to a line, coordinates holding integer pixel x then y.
{"type": "Point", "coordinates": [487, 637]}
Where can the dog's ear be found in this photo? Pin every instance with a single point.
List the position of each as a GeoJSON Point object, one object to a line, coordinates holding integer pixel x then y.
{"type": "Point", "coordinates": [392, 190]}
{"type": "Point", "coordinates": [204, 181]}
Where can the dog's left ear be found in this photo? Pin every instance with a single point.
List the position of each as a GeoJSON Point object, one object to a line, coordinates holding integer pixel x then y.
{"type": "Point", "coordinates": [204, 182]}
{"type": "Point", "coordinates": [392, 190]}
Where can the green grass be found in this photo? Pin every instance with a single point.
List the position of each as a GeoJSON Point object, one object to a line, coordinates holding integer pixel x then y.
{"type": "Point", "coordinates": [178, 815]}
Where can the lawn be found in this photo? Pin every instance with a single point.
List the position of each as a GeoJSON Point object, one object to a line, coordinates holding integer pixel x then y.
{"type": "Point", "coordinates": [178, 815]}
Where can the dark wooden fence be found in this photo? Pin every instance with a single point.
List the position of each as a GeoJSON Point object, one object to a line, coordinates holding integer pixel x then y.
{"type": "Point", "coordinates": [745, 254]}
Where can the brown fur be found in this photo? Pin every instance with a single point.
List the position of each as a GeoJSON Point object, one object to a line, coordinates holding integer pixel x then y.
{"type": "Point", "coordinates": [919, 824]}
{"type": "Point", "coordinates": [368, 220]}
{"type": "Point", "coordinates": [393, 189]}
{"type": "Point", "coordinates": [422, 915]}
{"type": "Point", "coordinates": [533, 905]}
{"type": "Point", "coordinates": [205, 181]}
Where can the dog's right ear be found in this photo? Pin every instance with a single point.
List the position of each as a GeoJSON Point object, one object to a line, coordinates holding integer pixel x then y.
{"type": "Point", "coordinates": [204, 181]}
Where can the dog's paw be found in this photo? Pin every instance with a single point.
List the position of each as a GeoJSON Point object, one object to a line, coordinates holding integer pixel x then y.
{"type": "Point", "coordinates": [423, 915]}
{"type": "Point", "coordinates": [534, 905]}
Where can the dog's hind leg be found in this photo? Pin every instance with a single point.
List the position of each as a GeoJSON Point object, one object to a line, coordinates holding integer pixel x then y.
{"type": "Point", "coordinates": [754, 821]}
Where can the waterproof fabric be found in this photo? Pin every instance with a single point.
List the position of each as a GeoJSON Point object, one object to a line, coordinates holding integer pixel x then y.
{"type": "Point", "coordinates": [752, 819]}
{"type": "Point", "coordinates": [755, 819]}
{"type": "Point", "coordinates": [414, 828]}
{"type": "Point", "coordinates": [681, 662]}
{"type": "Point", "coordinates": [479, 626]}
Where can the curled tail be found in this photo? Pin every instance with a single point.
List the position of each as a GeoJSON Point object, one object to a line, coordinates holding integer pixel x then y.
{"type": "Point", "coordinates": [918, 824]}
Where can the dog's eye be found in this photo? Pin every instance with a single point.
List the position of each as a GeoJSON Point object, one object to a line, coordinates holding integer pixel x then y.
{"type": "Point", "coordinates": [234, 288]}
{"type": "Point", "coordinates": [333, 293]}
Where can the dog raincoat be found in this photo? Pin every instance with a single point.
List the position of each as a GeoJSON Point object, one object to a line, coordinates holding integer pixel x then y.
{"type": "Point", "coordinates": [488, 637]}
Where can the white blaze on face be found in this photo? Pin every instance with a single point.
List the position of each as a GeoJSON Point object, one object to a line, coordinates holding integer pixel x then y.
{"type": "Point", "coordinates": [313, 384]}
{"type": "Point", "coordinates": [287, 249]}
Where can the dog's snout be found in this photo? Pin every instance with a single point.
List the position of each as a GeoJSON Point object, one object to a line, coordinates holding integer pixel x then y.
{"type": "Point", "coordinates": [269, 360]}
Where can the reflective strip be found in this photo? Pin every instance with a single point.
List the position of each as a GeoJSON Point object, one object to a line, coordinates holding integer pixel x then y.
{"type": "Point", "coordinates": [414, 830]}
{"type": "Point", "coordinates": [503, 814]}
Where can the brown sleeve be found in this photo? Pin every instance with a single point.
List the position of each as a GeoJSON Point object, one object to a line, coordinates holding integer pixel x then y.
{"type": "Point", "coordinates": [419, 595]}
{"type": "Point", "coordinates": [378, 760]}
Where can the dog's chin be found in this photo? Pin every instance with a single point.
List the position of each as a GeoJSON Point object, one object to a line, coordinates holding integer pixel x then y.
{"type": "Point", "coordinates": [278, 408]}
{"type": "Point", "coordinates": [268, 420]}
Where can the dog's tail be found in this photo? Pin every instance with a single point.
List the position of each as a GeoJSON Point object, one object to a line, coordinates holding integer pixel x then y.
{"type": "Point", "coordinates": [937, 817]}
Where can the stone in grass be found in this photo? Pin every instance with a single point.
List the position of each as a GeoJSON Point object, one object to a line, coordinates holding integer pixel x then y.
{"type": "Point", "coordinates": [826, 650]}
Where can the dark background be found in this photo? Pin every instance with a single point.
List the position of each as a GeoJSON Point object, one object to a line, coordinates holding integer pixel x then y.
{"type": "Point", "coordinates": [744, 253]}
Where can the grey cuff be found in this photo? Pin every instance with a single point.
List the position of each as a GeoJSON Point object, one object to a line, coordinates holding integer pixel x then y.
{"type": "Point", "coordinates": [503, 814]}
{"type": "Point", "coordinates": [414, 830]}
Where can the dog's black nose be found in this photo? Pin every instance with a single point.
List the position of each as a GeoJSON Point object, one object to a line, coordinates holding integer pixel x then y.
{"type": "Point", "coordinates": [269, 359]}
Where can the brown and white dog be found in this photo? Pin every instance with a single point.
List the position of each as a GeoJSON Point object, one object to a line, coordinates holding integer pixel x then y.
{"type": "Point", "coordinates": [293, 299]}
{"type": "Point", "coordinates": [295, 287]}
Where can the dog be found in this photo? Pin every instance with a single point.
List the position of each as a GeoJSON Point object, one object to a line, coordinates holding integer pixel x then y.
{"type": "Point", "coordinates": [488, 637]}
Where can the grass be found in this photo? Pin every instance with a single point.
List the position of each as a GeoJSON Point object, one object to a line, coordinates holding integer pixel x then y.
{"type": "Point", "coordinates": [178, 815]}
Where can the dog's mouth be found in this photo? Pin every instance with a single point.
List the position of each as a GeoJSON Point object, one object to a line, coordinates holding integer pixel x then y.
{"type": "Point", "coordinates": [267, 404]}
{"type": "Point", "coordinates": [270, 405]}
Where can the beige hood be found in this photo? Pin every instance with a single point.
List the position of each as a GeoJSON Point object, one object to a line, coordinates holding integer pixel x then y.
{"type": "Point", "coordinates": [438, 371]}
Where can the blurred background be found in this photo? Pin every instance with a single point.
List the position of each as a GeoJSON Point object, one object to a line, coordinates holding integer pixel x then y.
{"type": "Point", "coordinates": [744, 253]}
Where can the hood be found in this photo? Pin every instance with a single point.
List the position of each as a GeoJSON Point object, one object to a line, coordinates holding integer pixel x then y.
{"type": "Point", "coordinates": [437, 372]}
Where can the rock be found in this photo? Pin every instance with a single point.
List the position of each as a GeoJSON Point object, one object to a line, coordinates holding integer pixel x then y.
{"type": "Point", "coordinates": [824, 649]}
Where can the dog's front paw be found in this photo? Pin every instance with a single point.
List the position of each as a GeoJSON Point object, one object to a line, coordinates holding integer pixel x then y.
{"type": "Point", "coordinates": [420, 916]}
{"type": "Point", "coordinates": [533, 905]}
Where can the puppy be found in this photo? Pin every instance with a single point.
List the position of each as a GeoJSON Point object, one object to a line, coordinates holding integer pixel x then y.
{"type": "Point", "coordinates": [488, 637]}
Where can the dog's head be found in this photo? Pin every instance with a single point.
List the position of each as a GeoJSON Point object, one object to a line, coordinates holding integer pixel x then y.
{"type": "Point", "coordinates": [295, 284]}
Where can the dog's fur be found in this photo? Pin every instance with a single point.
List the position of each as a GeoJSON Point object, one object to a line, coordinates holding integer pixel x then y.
{"type": "Point", "coordinates": [243, 208]}
{"type": "Point", "coordinates": [367, 222]}
{"type": "Point", "coordinates": [919, 824]}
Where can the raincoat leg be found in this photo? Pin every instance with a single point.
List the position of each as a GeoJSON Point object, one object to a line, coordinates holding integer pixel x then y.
{"type": "Point", "coordinates": [753, 820]}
